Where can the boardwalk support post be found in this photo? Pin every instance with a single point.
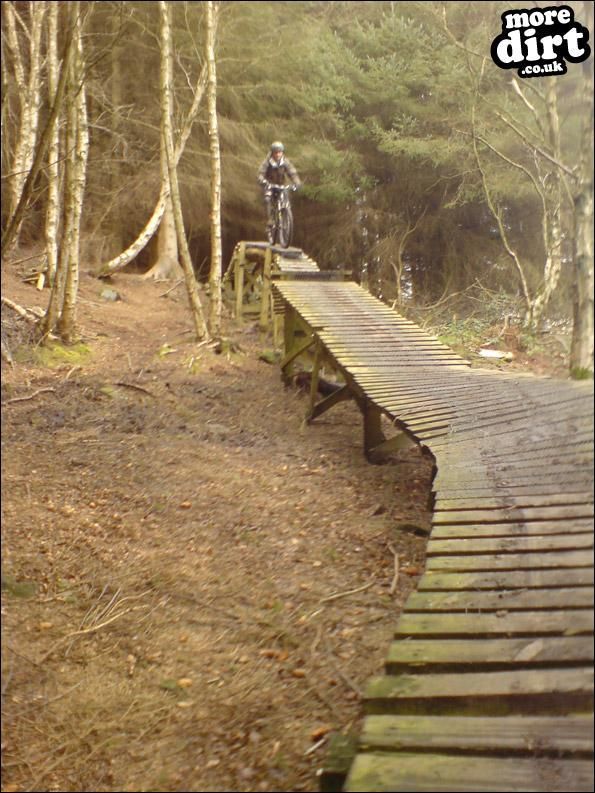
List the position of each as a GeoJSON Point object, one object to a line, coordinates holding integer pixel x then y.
{"type": "Point", "coordinates": [373, 435]}
{"type": "Point", "coordinates": [240, 260]}
{"type": "Point", "coordinates": [314, 377]}
{"type": "Point", "coordinates": [266, 289]}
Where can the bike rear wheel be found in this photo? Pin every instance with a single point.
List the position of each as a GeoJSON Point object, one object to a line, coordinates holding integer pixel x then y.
{"type": "Point", "coordinates": [284, 230]}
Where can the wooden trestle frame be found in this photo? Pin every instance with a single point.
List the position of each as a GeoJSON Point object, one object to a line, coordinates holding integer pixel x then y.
{"type": "Point", "coordinates": [301, 341]}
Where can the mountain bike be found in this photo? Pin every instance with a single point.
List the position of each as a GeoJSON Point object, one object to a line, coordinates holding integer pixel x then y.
{"type": "Point", "coordinates": [282, 230]}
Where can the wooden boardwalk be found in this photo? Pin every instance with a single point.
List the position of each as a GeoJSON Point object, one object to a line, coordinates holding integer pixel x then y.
{"type": "Point", "coordinates": [488, 683]}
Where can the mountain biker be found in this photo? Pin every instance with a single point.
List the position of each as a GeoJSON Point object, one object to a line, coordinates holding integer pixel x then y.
{"type": "Point", "coordinates": [274, 170]}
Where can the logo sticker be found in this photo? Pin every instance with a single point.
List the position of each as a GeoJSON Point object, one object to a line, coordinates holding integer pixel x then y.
{"type": "Point", "coordinates": [539, 41]}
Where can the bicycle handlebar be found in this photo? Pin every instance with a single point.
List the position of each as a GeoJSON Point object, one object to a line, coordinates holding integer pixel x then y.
{"type": "Point", "coordinates": [271, 186]}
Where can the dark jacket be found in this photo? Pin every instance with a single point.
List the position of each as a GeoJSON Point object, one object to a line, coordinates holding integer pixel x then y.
{"type": "Point", "coordinates": [276, 172]}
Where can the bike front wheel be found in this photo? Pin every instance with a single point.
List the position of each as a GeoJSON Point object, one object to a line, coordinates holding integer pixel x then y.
{"type": "Point", "coordinates": [285, 227]}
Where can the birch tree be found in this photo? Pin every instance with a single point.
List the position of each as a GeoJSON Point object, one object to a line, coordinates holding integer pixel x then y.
{"type": "Point", "coordinates": [583, 335]}
{"type": "Point", "coordinates": [77, 166]}
{"type": "Point", "coordinates": [10, 232]}
{"type": "Point", "coordinates": [537, 130]}
{"type": "Point", "coordinates": [61, 311]}
{"type": "Point", "coordinates": [215, 157]}
{"type": "Point", "coordinates": [53, 171]}
{"type": "Point", "coordinates": [148, 231]}
{"type": "Point", "coordinates": [166, 93]}
{"type": "Point", "coordinates": [27, 75]}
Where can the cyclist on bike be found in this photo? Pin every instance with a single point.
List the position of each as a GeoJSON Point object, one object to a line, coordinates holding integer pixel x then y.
{"type": "Point", "coordinates": [274, 170]}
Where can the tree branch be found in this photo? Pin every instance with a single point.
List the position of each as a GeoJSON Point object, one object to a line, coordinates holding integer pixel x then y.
{"type": "Point", "coordinates": [538, 149]}
{"type": "Point", "coordinates": [490, 202]}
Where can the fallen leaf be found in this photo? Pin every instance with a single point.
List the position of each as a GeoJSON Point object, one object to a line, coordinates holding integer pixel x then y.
{"type": "Point", "coordinates": [411, 570]}
{"type": "Point", "coordinates": [267, 653]}
{"type": "Point", "coordinates": [320, 732]}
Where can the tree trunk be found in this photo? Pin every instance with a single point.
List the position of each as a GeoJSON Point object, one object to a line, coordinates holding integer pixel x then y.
{"type": "Point", "coordinates": [124, 258]}
{"type": "Point", "coordinates": [14, 221]}
{"type": "Point", "coordinates": [551, 195]}
{"type": "Point", "coordinates": [79, 121]}
{"type": "Point", "coordinates": [168, 145]}
{"type": "Point", "coordinates": [29, 98]}
{"type": "Point", "coordinates": [581, 352]}
{"type": "Point", "coordinates": [53, 171]}
{"type": "Point", "coordinates": [117, 65]}
{"type": "Point", "coordinates": [581, 357]}
{"type": "Point", "coordinates": [215, 156]}
{"type": "Point", "coordinates": [167, 264]}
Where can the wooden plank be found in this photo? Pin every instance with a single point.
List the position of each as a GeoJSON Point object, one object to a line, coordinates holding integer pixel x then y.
{"type": "Point", "coordinates": [556, 439]}
{"type": "Point", "coordinates": [512, 561]}
{"type": "Point", "coordinates": [383, 772]}
{"type": "Point", "coordinates": [574, 411]}
{"type": "Point", "coordinates": [513, 515]}
{"type": "Point", "coordinates": [405, 346]}
{"type": "Point", "coordinates": [498, 545]}
{"type": "Point", "coordinates": [392, 338]}
{"type": "Point", "coordinates": [475, 417]}
{"type": "Point", "coordinates": [550, 691]}
{"type": "Point", "coordinates": [470, 429]}
{"type": "Point", "coordinates": [457, 479]}
{"type": "Point", "coordinates": [431, 655]}
{"type": "Point", "coordinates": [500, 455]}
{"type": "Point", "coordinates": [571, 622]}
{"type": "Point", "coordinates": [540, 528]}
{"type": "Point", "coordinates": [494, 434]}
{"type": "Point", "coordinates": [478, 489]}
{"type": "Point", "coordinates": [476, 398]}
{"type": "Point", "coordinates": [506, 470]}
{"type": "Point", "coordinates": [476, 734]}
{"type": "Point", "coordinates": [509, 468]}
{"type": "Point", "coordinates": [421, 413]}
{"type": "Point", "coordinates": [511, 600]}
{"type": "Point", "coordinates": [506, 579]}
{"type": "Point", "coordinates": [474, 431]}
{"type": "Point", "coordinates": [525, 441]}
{"type": "Point", "coordinates": [385, 341]}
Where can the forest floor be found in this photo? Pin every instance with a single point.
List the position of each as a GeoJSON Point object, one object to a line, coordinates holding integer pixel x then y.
{"type": "Point", "coordinates": [196, 584]}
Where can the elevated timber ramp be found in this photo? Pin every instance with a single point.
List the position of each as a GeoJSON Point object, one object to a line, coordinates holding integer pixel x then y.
{"type": "Point", "coordinates": [253, 267]}
{"type": "Point", "coordinates": [488, 683]}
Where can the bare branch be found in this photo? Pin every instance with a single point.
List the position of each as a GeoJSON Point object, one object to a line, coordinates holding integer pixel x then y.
{"type": "Point", "coordinates": [538, 149]}
{"type": "Point", "coordinates": [503, 235]}
{"type": "Point", "coordinates": [517, 88]}
{"type": "Point", "coordinates": [30, 396]}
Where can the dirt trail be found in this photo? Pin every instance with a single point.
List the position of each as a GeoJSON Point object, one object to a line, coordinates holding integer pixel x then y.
{"type": "Point", "coordinates": [196, 585]}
